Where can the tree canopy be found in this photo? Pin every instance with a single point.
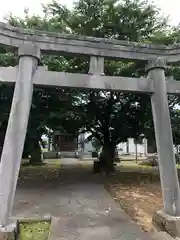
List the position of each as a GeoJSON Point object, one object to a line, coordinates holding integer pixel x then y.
{"type": "Point", "coordinates": [110, 117]}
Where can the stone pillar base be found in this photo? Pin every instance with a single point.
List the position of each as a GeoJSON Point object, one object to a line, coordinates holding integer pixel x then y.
{"type": "Point", "coordinates": [167, 223]}
{"type": "Point", "coordinates": [9, 232]}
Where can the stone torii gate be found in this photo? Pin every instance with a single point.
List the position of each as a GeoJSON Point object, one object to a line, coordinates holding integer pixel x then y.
{"type": "Point", "coordinates": [30, 44]}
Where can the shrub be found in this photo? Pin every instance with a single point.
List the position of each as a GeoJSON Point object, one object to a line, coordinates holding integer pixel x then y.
{"type": "Point", "coordinates": [177, 157]}
{"type": "Point", "coordinates": [150, 161]}
{"type": "Point", "coordinates": [94, 154]}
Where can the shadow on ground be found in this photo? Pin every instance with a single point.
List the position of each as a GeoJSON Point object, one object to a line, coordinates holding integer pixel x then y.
{"type": "Point", "coordinates": [77, 198]}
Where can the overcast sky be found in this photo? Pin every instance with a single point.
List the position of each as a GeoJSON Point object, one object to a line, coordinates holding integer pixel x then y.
{"type": "Point", "coordinates": [169, 7]}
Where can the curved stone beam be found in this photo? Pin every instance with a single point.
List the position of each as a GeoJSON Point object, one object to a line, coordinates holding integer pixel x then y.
{"type": "Point", "coordinates": [55, 43]}
{"type": "Point", "coordinates": [43, 77]}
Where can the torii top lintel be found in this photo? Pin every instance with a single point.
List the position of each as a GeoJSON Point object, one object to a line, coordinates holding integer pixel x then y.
{"type": "Point", "coordinates": [63, 44]}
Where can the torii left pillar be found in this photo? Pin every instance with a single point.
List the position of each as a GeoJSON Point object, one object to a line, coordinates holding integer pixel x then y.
{"type": "Point", "coordinates": [16, 129]}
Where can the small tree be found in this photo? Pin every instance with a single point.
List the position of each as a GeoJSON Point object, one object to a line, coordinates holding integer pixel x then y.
{"type": "Point", "coordinates": [138, 140]}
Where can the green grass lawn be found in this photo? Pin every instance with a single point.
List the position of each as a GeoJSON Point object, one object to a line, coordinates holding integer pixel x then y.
{"type": "Point", "coordinates": [34, 230]}
{"type": "Point", "coordinates": [178, 166]}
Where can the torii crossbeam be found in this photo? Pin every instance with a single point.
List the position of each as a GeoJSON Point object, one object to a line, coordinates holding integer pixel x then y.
{"type": "Point", "coordinates": [30, 44]}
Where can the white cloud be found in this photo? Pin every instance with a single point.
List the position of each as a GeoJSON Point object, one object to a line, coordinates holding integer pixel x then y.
{"type": "Point", "coordinates": [169, 7]}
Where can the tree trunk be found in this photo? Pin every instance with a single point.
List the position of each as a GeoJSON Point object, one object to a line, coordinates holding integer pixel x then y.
{"type": "Point", "coordinates": [136, 152]}
{"type": "Point", "coordinates": [36, 153]}
{"type": "Point", "coordinates": [3, 128]}
{"type": "Point", "coordinates": [106, 159]}
{"type": "Point", "coordinates": [49, 143]}
{"type": "Point", "coordinates": [127, 146]}
{"type": "Point", "coordinates": [151, 146]}
{"type": "Point", "coordinates": [177, 149]}
{"type": "Point", "coordinates": [26, 151]}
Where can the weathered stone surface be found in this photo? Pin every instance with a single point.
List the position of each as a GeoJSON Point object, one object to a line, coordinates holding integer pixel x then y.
{"type": "Point", "coordinates": [164, 140]}
{"type": "Point", "coordinates": [157, 63]}
{"type": "Point", "coordinates": [53, 43]}
{"type": "Point", "coordinates": [7, 236]}
{"type": "Point", "coordinates": [9, 232]}
{"type": "Point", "coordinates": [80, 207]}
{"type": "Point", "coordinates": [96, 66]}
{"type": "Point", "coordinates": [163, 236]}
{"type": "Point", "coordinates": [50, 155]}
{"type": "Point", "coordinates": [16, 132]}
{"type": "Point", "coordinates": [165, 222]}
{"type": "Point", "coordinates": [60, 79]}
{"type": "Point", "coordinates": [31, 50]}
{"type": "Point", "coordinates": [34, 219]}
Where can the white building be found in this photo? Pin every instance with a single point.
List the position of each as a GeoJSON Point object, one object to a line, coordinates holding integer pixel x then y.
{"type": "Point", "coordinates": [131, 148]}
{"type": "Point", "coordinates": [123, 148]}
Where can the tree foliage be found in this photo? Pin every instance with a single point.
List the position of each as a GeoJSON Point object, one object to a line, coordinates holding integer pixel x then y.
{"type": "Point", "coordinates": [110, 117]}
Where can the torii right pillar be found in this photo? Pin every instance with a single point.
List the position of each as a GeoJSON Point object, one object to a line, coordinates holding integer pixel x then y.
{"type": "Point", "coordinates": [167, 164]}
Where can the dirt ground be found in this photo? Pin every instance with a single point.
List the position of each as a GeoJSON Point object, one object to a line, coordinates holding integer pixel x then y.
{"type": "Point", "coordinates": [72, 192]}
{"type": "Point", "coordinates": [138, 192]}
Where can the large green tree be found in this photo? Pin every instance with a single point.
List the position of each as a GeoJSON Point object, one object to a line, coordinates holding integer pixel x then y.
{"type": "Point", "coordinates": [109, 117]}
{"type": "Point", "coordinates": [114, 117]}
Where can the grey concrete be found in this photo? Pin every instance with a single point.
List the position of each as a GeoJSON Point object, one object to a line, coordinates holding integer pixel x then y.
{"type": "Point", "coordinates": [30, 50]}
{"type": "Point", "coordinates": [164, 141]}
{"type": "Point", "coordinates": [96, 65]}
{"type": "Point", "coordinates": [65, 154]}
{"type": "Point", "coordinates": [83, 81]}
{"type": "Point", "coordinates": [97, 49]}
{"type": "Point", "coordinates": [173, 87]}
{"type": "Point", "coordinates": [59, 79]}
{"type": "Point", "coordinates": [167, 223]}
{"type": "Point", "coordinates": [50, 155]}
{"type": "Point", "coordinates": [8, 74]}
{"type": "Point", "coordinates": [96, 82]}
{"type": "Point", "coordinates": [9, 232]}
{"type": "Point", "coordinates": [79, 203]}
{"type": "Point", "coordinates": [16, 130]}
{"type": "Point", "coordinates": [53, 43]}
{"type": "Point", "coordinates": [163, 236]}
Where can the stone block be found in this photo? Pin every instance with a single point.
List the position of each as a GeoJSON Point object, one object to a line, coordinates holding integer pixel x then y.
{"type": "Point", "coordinates": [9, 232]}
{"type": "Point", "coordinates": [164, 222]}
{"type": "Point", "coordinates": [68, 154]}
{"type": "Point", "coordinates": [50, 155]}
{"type": "Point", "coordinates": [35, 219]}
{"type": "Point", "coordinates": [162, 236]}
